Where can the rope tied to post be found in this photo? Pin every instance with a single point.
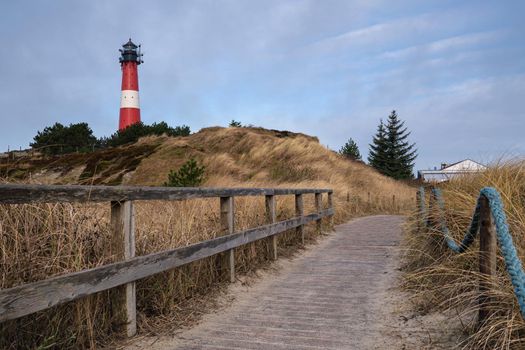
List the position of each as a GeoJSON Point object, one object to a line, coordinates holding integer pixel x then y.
{"type": "Point", "coordinates": [513, 263]}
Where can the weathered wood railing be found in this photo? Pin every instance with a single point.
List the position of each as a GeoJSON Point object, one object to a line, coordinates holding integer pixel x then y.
{"type": "Point", "coordinates": [32, 297]}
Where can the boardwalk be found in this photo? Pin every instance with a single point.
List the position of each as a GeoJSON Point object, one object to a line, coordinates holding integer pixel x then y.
{"type": "Point", "coordinates": [331, 297]}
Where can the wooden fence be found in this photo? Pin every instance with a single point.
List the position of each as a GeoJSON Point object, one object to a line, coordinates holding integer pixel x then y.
{"type": "Point", "coordinates": [32, 297]}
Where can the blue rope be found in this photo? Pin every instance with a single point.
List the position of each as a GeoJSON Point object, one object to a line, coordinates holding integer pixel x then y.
{"type": "Point", "coordinates": [470, 236]}
{"type": "Point", "coordinates": [512, 261]}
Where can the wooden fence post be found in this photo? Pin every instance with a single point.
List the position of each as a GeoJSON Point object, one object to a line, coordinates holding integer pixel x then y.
{"type": "Point", "coordinates": [271, 218]}
{"type": "Point", "coordinates": [487, 259]}
{"type": "Point", "coordinates": [123, 248]}
{"type": "Point", "coordinates": [430, 213]}
{"type": "Point", "coordinates": [419, 211]}
{"type": "Point", "coordinates": [348, 196]}
{"type": "Point", "coordinates": [318, 208]}
{"type": "Point", "coordinates": [394, 203]}
{"type": "Point", "coordinates": [228, 227]}
{"type": "Point", "coordinates": [331, 205]}
{"type": "Point", "coordinates": [368, 202]}
{"type": "Point", "coordinates": [299, 211]}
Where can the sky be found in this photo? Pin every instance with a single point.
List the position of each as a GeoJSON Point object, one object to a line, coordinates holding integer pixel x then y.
{"type": "Point", "coordinates": [453, 70]}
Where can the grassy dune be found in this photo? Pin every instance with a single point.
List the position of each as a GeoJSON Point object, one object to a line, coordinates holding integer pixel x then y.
{"type": "Point", "coordinates": [39, 241]}
{"type": "Point", "coordinates": [443, 280]}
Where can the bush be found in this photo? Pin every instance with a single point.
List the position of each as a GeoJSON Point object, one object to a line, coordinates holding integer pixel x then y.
{"type": "Point", "coordinates": [135, 131]}
{"type": "Point", "coordinates": [235, 124]}
{"type": "Point", "coordinates": [60, 139]}
{"type": "Point", "coordinates": [190, 174]}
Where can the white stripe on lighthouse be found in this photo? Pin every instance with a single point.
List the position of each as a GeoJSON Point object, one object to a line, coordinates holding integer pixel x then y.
{"type": "Point", "coordinates": [129, 99]}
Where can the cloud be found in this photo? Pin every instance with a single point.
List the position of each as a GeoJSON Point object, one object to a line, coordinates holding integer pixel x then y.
{"type": "Point", "coordinates": [329, 68]}
{"type": "Point", "coordinates": [459, 42]}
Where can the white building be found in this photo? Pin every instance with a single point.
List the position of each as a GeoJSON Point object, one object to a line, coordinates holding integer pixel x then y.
{"type": "Point", "coordinates": [448, 171]}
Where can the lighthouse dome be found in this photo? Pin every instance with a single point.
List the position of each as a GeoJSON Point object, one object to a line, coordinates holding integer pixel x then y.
{"type": "Point", "coordinates": [129, 45]}
{"type": "Point", "coordinates": [130, 53]}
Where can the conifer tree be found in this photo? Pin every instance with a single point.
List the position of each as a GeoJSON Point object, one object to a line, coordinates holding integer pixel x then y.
{"type": "Point", "coordinates": [377, 153]}
{"type": "Point", "coordinates": [390, 152]}
{"type": "Point", "coordinates": [190, 174]}
{"type": "Point", "coordinates": [235, 124]}
{"type": "Point", "coordinates": [350, 150]}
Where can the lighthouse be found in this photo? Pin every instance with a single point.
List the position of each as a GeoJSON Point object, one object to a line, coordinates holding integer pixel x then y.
{"type": "Point", "coordinates": [130, 58]}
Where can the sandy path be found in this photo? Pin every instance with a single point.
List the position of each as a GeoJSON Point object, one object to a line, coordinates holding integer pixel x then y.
{"type": "Point", "coordinates": [338, 294]}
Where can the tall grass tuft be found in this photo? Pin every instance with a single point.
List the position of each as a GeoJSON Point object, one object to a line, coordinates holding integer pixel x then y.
{"type": "Point", "coordinates": [443, 280]}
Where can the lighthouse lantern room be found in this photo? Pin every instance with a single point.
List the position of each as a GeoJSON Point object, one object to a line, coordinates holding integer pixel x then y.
{"type": "Point", "coordinates": [130, 58]}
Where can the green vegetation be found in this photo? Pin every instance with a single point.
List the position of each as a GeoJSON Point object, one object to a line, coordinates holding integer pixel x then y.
{"type": "Point", "coordinates": [60, 139]}
{"type": "Point", "coordinates": [378, 148]}
{"type": "Point", "coordinates": [235, 124]}
{"type": "Point", "coordinates": [350, 150]}
{"type": "Point", "coordinates": [190, 174]}
{"type": "Point", "coordinates": [133, 132]}
{"type": "Point", "coordinates": [390, 152]}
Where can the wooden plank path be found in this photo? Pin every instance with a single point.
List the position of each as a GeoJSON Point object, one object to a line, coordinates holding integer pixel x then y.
{"type": "Point", "coordinates": [331, 297]}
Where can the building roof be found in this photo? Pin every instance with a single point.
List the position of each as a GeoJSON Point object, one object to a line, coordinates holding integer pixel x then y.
{"type": "Point", "coordinates": [465, 166]}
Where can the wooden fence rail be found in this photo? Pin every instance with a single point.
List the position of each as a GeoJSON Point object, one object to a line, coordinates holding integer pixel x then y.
{"type": "Point", "coordinates": [32, 297]}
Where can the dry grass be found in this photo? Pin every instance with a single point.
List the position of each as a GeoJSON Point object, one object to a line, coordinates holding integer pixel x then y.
{"type": "Point", "coordinates": [443, 280]}
{"type": "Point", "coordinates": [39, 241]}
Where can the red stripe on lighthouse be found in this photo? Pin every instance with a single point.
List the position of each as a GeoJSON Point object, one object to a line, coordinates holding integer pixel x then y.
{"type": "Point", "coordinates": [129, 101]}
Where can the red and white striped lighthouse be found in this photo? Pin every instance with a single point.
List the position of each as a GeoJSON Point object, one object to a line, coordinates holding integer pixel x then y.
{"type": "Point", "coordinates": [129, 59]}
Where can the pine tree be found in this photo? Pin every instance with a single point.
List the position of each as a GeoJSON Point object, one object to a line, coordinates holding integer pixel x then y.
{"type": "Point", "coordinates": [390, 152]}
{"type": "Point", "coordinates": [235, 124]}
{"type": "Point", "coordinates": [350, 150]}
{"type": "Point", "coordinates": [401, 154]}
{"type": "Point", "coordinates": [377, 154]}
{"type": "Point", "coordinates": [190, 174]}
